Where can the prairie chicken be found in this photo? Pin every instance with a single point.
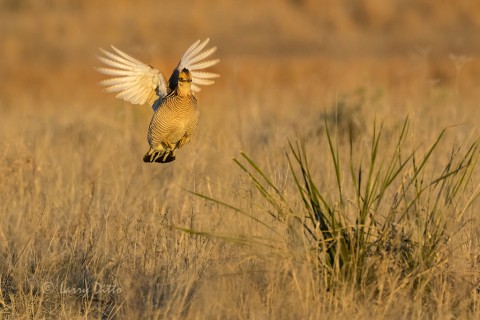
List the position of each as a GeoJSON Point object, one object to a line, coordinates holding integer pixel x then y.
{"type": "Point", "coordinates": [175, 117]}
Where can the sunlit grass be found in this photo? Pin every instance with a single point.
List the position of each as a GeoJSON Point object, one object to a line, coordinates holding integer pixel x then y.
{"type": "Point", "coordinates": [396, 209]}
{"type": "Point", "coordinates": [327, 212]}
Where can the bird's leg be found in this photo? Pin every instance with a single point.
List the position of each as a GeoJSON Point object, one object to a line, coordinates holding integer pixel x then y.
{"type": "Point", "coordinates": [173, 152]}
{"type": "Point", "coordinates": [185, 139]}
{"type": "Point", "coordinates": [169, 149]}
{"type": "Point", "coordinates": [168, 146]}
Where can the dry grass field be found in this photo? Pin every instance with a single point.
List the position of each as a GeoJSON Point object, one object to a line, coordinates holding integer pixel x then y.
{"type": "Point", "coordinates": [376, 216]}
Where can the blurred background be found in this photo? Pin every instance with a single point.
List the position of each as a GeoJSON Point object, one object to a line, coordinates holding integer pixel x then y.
{"type": "Point", "coordinates": [285, 67]}
{"type": "Point", "coordinates": [48, 48]}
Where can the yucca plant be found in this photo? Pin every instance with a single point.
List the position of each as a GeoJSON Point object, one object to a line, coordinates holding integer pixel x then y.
{"type": "Point", "coordinates": [386, 204]}
{"type": "Point", "coordinates": [389, 192]}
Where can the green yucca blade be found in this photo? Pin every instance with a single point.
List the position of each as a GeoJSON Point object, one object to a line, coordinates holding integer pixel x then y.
{"type": "Point", "coordinates": [373, 179]}
{"type": "Point", "coordinates": [259, 171]}
{"type": "Point", "coordinates": [312, 195]}
{"type": "Point", "coordinates": [426, 157]}
{"type": "Point", "coordinates": [330, 227]}
{"type": "Point", "coordinates": [471, 158]}
{"type": "Point", "coordinates": [263, 191]}
{"type": "Point", "coordinates": [466, 164]}
{"type": "Point", "coordinates": [470, 201]}
{"type": "Point", "coordinates": [301, 191]}
{"type": "Point", "coordinates": [233, 208]}
{"type": "Point", "coordinates": [235, 238]}
{"type": "Point", "coordinates": [336, 161]}
{"type": "Point", "coordinates": [395, 167]}
{"type": "Point", "coordinates": [312, 188]}
{"type": "Point", "coordinates": [311, 201]}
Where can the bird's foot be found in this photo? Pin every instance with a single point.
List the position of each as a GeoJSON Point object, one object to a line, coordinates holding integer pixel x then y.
{"type": "Point", "coordinates": [159, 156]}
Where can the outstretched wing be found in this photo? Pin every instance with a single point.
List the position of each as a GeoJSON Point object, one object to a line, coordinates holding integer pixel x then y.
{"type": "Point", "coordinates": [194, 59]}
{"type": "Point", "coordinates": [134, 81]}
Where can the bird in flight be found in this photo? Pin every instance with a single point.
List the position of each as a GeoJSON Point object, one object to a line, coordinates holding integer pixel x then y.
{"type": "Point", "coordinates": [175, 112]}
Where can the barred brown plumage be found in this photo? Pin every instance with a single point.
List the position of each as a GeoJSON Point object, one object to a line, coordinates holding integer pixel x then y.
{"type": "Point", "coordinates": [175, 118]}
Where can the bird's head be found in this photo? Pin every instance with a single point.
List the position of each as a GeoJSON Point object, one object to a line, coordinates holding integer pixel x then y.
{"type": "Point", "coordinates": [184, 82]}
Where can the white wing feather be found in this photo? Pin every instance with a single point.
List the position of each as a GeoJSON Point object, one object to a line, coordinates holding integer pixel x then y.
{"type": "Point", "coordinates": [134, 81]}
{"type": "Point", "coordinates": [194, 60]}
{"type": "Point", "coordinates": [138, 83]}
